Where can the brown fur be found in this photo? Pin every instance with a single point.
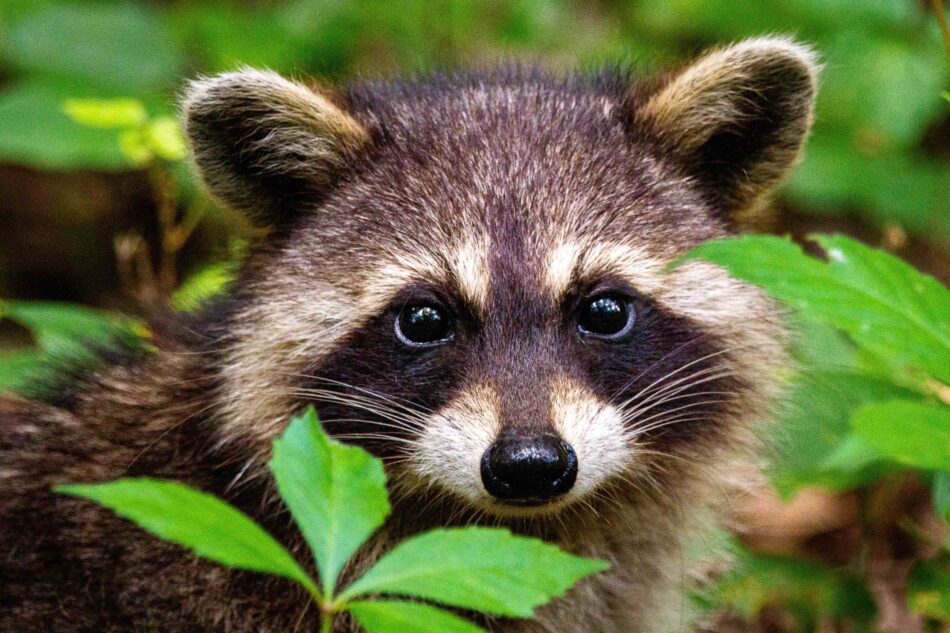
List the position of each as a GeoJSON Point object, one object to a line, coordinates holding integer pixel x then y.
{"type": "Point", "coordinates": [506, 197]}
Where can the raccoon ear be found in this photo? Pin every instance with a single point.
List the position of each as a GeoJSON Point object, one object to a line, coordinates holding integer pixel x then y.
{"type": "Point", "coordinates": [260, 141]}
{"type": "Point", "coordinates": [737, 118]}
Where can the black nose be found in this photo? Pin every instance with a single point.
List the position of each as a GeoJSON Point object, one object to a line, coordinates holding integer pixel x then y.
{"type": "Point", "coordinates": [529, 470]}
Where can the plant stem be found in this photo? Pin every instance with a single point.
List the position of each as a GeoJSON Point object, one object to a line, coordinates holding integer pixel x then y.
{"type": "Point", "coordinates": [326, 623]}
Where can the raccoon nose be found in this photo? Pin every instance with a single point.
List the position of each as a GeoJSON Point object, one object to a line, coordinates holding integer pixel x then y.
{"type": "Point", "coordinates": [529, 471]}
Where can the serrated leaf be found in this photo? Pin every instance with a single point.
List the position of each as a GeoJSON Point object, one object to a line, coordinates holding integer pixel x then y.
{"type": "Point", "coordinates": [396, 616]}
{"type": "Point", "coordinates": [106, 113]}
{"type": "Point", "coordinates": [336, 493]}
{"type": "Point", "coordinates": [909, 432]}
{"type": "Point", "coordinates": [484, 569]}
{"type": "Point", "coordinates": [884, 304]}
{"type": "Point", "coordinates": [197, 520]}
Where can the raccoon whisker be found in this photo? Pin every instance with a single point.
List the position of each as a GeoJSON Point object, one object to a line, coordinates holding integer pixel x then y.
{"type": "Point", "coordinates": [377, 436]}
{"type": "Point", "coordinates": [636, 416]}
{"type": "Point", "coordinates": [669, 422]}
{"type": "Point", "coordinates": [409, 405]}
{"type": "Point", "coordinates": [387, 424]}
{"type": "Point", "coordinates": [361, 404]}
{"type": "Point", "coordinates": [343, 396]}
{"type": "Point", "coordinates": [668, 355]}
{"type": "Point", "coordinates": [679, 369]}
{"type": "Point", "coordinates": [633, 415]}
{"type": "Point", "coordinates": [665, 388]}
{"type": "Point", "coordinates": [365, 402]}
{"type": "Point", "coordinates": [640, 430]}
{"type": "Point", "coordinates": [240, 474]}
{"type": "Point", "coordinates": [655, 401]}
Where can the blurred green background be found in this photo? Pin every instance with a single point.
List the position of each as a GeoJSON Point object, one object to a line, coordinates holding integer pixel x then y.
{"type": "Point", "coordinates": [877, 165]}
{"type": "Point", "coordinates": [97, 207]}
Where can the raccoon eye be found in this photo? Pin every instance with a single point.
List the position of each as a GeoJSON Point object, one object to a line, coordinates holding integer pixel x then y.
{"type": "Point", "coordinates": [423, 325]}
{"type": "Point", "coordinates": [606, 316]}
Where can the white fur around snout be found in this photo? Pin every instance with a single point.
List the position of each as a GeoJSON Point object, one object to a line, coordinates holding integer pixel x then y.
{"type": "Point", "coordinates": [449, 451]}
{"type": "Point", "coordinates": [596, 432]}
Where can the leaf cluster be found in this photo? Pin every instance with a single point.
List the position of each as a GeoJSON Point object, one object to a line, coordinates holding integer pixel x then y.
{"type": "Point", "coordinates": [337, 496]}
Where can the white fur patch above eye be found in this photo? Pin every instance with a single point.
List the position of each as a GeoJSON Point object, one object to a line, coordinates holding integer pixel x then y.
{"type": "Point", "coordinates": [560, 269]}
{"type": "Point", "coordinates": [471, 271]}
{"type": "Point", "coordinates": [449, 450]}
{"type": "Point", "coordinates": [595, 430]}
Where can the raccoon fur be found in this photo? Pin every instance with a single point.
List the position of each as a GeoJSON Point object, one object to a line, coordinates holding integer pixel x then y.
{"type": "Point", "coordinates": [469, 276]}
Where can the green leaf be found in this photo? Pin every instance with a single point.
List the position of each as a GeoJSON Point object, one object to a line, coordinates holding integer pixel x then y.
{"type": "Point", "coordinates": [35, 131]}
{"type": "Point", "coordinates": [197, 520]}
{"type": "Point", "coordinates": [125, 46]}
{"type": "Point", "coordinates": [135, 147]}
{"type": "Point", "coordinates": [106, 113]}
{"type": "Point", "coordinates": [814, 431]}
{"type": "Point", "coordinates": [197, 289]}
{"type": "Point", "coordinates": [910, 432]}
{"type": "Point", "coordinates": [165, 138]}
{"type": "Point", "coordinates": [484, 569]}
{"type": "Point", "coordinates": [64, 329]}
{"type": "Point", "coordinates": [19, 368]}
{"type": "Point", "coordinates": [884, 304]}
{"type": "Point", "coordinates": [336, 493]}
{"type": "Point", "coordinates": [393, 616]}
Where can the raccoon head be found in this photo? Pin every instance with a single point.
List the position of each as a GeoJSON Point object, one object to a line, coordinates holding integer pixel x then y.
{"type": "Point", "coordinates": [471, 277]}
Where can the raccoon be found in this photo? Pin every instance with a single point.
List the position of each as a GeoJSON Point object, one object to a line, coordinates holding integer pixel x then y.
{"type": "Point", "coordinates": [471, 277]}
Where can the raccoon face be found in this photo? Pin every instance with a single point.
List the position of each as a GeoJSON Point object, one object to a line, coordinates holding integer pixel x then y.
{"type": "Point", "coordinates": [471, 277]}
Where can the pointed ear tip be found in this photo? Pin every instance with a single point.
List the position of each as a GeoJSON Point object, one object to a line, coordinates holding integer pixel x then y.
{"type": "Point", "coordinates": [784, 47]}
{"type": "Point", "coordinates": [205, 87]}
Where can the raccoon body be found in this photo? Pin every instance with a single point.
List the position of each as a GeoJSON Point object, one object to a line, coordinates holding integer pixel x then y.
{"type": "Point", "coordinates": [470, 277]}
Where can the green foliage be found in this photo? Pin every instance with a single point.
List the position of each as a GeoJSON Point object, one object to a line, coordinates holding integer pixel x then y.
{"type": "Point", "coordinates": [495, 572]}
{"type": "Point", "coordinates": [141, 140]}
{"type": "Point", "coordinates": [807, 591]}
{"type": "Point", "coordinates": [125, 46]}
{"type": "Point", "coordinates": [882, 303]}
{"type": "Point", "coordinates": [909, 432]}
{"type": "Point", "coordinates": [874, 355]}
{"type": "Point", "coordinates": [63, 333]}
{"type": "Point", "coordinates": [929, 590]}
{"type": "Point", "coordinates": [202, 286]}
{"type": "Point", "coordinates": [336, 493]}
{"type": "Point", "coordinates": [337, 496]}
{"type": "Point", "coordinates": [880, 93]}
{"type": "Point", "coordinates": [394, 616]}
{"type": "Point", "coordinates": [199, 521]}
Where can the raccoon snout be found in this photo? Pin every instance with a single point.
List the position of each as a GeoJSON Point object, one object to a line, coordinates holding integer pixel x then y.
{"type": "Point", "coordinates": [529, 471]}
